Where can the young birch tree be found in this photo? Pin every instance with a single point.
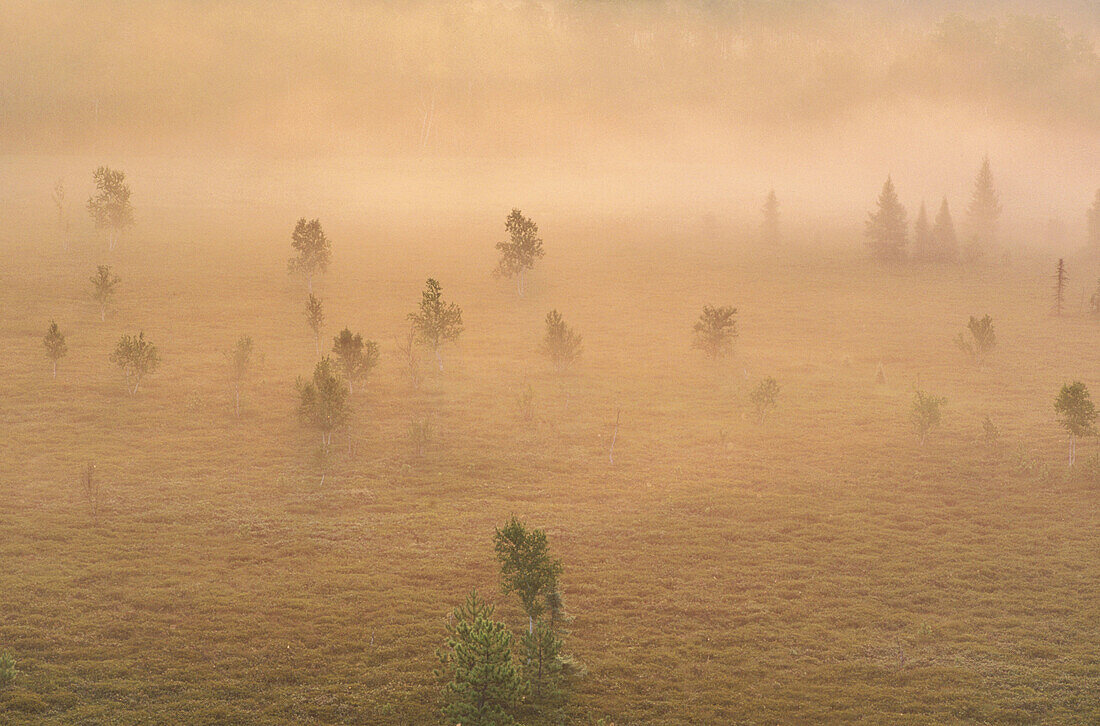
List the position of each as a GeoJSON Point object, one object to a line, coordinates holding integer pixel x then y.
{"type": "Point", "coordinates": [315, 316]}
{"type": "Point", "coordinates": [715, 331]}
{"type": "Point", "coordinates": [764, 398]}
{"type": "Point", "coordinates": [982, 339]}
{"type": "Point", "coordinates": [242, 358]}
{"type": "Point", "coordinates": [103, 288]}
{"type": "Point", "coordinates": [561, 344]}
{"type": "Point", "coordinates": [925, 413]}
{"type": "Point", "coordinates": [357, 356]}
{"type": "Point", "coordinates": [526, 567]}
{"type": "Point", "coordinates": [521, 251]}
{"type": "Point", "coordinates": [436, 322]}
{"type": "Point", "coordinates": [110, 206]}
{"type": "Point", "coordinates": [314, 251]}
{"type": "Point", "coordinates": [323, 404]}
{"type": "Point", "coordinates": [1076, 413]}
{"type": "Point", "coordinates": [137, 358]}
{"type": "Point", "coordinates": [54, 341]}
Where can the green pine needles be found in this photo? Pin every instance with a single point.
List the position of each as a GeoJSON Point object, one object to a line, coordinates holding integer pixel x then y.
{"type": "Point", "coordinates": [482, 684]}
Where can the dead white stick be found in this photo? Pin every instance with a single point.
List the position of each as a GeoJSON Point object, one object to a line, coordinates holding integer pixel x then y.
{"type": "Point", "coordinates": [614, 436]}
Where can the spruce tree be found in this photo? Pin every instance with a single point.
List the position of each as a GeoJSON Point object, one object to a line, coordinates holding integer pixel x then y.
{"type": "Point", "coordinates": [1060, 279]}
{"type": "Point", "coordinates": [770, 226]}
{"type": "Point", "coordinates": [984, 212]}
{"type": "Point", "coordinates": [887, 226]}
{"type": "Point", "coordinates": [1094, 227]}
{"type": "Point", "coordinates": [481, 685]}
{"type": "Point", "coordinates": [922, 236]}
{"type": "Point", "coordinates": [945, 244]}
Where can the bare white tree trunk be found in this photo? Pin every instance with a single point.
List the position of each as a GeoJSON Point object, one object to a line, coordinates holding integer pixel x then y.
{"type": "Point", "coordinates": [614, 437]}
{"type": "Point", "coordinates": [427, 116]}
{"type": "Point", "coordinates": [237, 399]}
{"type": "Point", "coordinates": [55, 369]}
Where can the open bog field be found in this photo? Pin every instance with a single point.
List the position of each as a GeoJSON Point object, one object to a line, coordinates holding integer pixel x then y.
{"type": "Point", "coordinates": [821, 567]}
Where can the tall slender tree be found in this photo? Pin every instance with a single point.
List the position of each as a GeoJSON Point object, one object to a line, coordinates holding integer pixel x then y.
{"type": "Point", "coordinates": [984, 212]}
{"type": "Point", "coordinates": [56, 349]}
{"type": "Point", "coordinates": [522, 249]}
{"type": "Point", "coordinates": [1060, 279]}
{"type": "Point", "coordinates": [241, 360]}
{"type": "Point", "coordinates": [315, 316]}
{"type": "Point", "coordinates": [945, 244]}
{"type": "Point", "coordinates": [314, 251]}
{"type": "Point", "coordinates": [887, 227]}
{"type": "Point", "coordinates": [1093, 218]}
{"type": "Point", "coordinates": [769, 228]}
{"type": "Point", "coordinates": [103, 288]}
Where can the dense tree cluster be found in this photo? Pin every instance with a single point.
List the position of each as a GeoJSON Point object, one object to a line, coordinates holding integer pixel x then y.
{"type": "Point", "coordinates": [486, 683]}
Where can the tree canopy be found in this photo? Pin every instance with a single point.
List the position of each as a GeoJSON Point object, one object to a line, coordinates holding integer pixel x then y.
{"type": "Point", "coordinates": [314, 251]}
{"type": "Point", "coordinates": [521, 250]}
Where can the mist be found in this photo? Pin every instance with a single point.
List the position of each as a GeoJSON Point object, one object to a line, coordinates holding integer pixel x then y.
{"type": "Point", "coordinates": [581, 108]}
{"type": "Point", "coordinates": [513, 362]}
